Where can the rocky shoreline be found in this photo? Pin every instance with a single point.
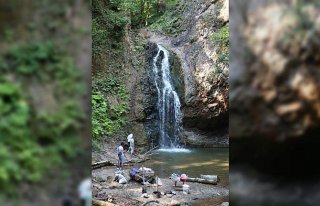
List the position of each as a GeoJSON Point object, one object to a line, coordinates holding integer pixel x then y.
{"type": "Point", "coordinates": [105, 189]}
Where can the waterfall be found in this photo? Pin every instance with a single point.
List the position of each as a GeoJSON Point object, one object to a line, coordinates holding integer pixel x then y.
{"type": "Point", "coordinates": [170, 116]}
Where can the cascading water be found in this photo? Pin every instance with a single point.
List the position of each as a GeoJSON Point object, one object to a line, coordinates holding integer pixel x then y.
{"type": "Point", "coordinates": [170, 116]}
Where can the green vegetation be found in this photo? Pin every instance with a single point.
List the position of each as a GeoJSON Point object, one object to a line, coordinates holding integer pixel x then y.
{"type": "Point", "coordinates": [107, 118]}
{"type": "Point", "coordinates": [170, 22]}
{"type": "Point", "coordinates": [112, 19]}
{"type": "Point", "coordinates": [111, 16]}
{"type": "Point", "coordinates": [38, 127]}
{"type": "Point", "coordinates": [107, 25]}
{"type": "Point", "coordinates": [220, 39]}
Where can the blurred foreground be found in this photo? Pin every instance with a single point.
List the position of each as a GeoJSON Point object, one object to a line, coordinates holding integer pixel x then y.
{"type": "Point", "coordinates": [44, 106]}
{"type": "Point", "coordinates": [274, 102]}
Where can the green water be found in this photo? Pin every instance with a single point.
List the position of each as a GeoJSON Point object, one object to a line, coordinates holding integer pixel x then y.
{"type": "Point", "coordinates": [200, 161]}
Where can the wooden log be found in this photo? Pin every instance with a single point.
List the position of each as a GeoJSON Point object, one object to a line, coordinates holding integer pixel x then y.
{"type": "Point", "coordinates": [102, 203]}
{"type": "Point", "coordinates": [104, 163]}
{"type": "Point", "coordinates": [201, 180]}
{"type": "Point", "coordinates": [210, 177]}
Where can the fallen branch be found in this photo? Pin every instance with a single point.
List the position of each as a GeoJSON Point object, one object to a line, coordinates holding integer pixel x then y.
{"type": "Point", "coordinates": [144, 204]}
{"type": "Point", "coordinates": [100, 164]}
{"type": "Point", "coordinates": [102, 203]}
{"type": "Point", "coordinates": [156, 147]}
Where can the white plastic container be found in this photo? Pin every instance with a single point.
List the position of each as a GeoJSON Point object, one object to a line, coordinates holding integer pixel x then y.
{"type": "Point", "coordinates": [186, 188]}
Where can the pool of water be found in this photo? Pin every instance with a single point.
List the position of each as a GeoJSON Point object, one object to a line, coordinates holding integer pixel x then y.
{"type": "Point", "coordinates": [193, 162]}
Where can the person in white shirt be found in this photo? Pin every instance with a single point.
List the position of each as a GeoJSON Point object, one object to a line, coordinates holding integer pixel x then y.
{"type": "Point", "coordinates": [85, 192]}
{"type": "Point", "coordinates": [131, 143]}
{"type": "Point", "coordinates": [120, 153]}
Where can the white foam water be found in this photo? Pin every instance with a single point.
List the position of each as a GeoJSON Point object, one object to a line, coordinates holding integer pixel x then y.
{"type": "Point", "coordinates": [170, 115]}
{"type": "Point", "coordinates": [174, 150]}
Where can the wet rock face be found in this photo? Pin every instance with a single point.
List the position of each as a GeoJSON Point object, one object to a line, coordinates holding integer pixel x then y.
{"type": "Point", "coordinates": [198, 138]}
{"type": "Point", "coordinates": [177, 75]}
{"type": "Point", "coordinates": [150, 101]}
{"type": "Point", "coordinates": [274, 121]}
{"type": "Point", "coordinates": [274, 77]}
{"type": "Point", "coordinates": [150, 97]}
{"type": "Point", "coordinates": [141, 138]}
{"type": "Point", "coordinates": [206, 80]}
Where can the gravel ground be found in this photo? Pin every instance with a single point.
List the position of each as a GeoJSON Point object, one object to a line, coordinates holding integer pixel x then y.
{"type": "Point", "coordinates": [131, 193]}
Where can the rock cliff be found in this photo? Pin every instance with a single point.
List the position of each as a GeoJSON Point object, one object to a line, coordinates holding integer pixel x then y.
{"type": "Point", "coordinates": [200, 41]}
{"type": "Point", "coordinates": [199, 50]}
{"type": "Point", "coordinates": [274, 78]}
{"type": "Point", "coordinates": [205, 74]}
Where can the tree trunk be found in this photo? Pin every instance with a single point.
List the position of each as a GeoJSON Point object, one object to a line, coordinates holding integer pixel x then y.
{"type": "Point", "coordinates": [201, 180]}
{"type": "Point", "coordinates": [214, 178]}
{"type": "Point", "coordinates": [102, 203]}
{"type": "Point", "coordinates": [142, 2]}
{"type": "Point", "coordinates": [102, 164]}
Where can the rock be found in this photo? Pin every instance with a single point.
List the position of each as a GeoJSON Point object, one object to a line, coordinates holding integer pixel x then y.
{"type": "Point", "coordinates": [123, 181]}
{"type": "Point", "coordinates": [109, 179]}
{"type": "Point", "coordinates": [102, 192]}
{"type": "Point", "coordinates": [281, 75]}
{"type": "Point", "coordinates": [225, 204]}
{"type": "Point", "coordinates": [274, 106]}
{"type": "Point", "coordinates": [97, 186]}
{"type": "Point", "coordinates": [141, 140]}
{"type": "Point", "coordinates": [150, 100]}
{"type": "Point", "coordinates": [288, 108]}
{"type": "Point", "coordinates": [145, 195]}
{"type": "Point", "coordinates": [195, 138]}
{"type": "Point", "coordinates": [212, 105]}
{"type": "Point", "coordinates": [112, 100]}
{"type": "Point", "coordinates": [115, 185]}
{"type": "Point", "coordinates": [174, 202]}
{"type": "Point", "coordinates": [127, 176]}
{"type": "Point", "coordinates": [100, 179]}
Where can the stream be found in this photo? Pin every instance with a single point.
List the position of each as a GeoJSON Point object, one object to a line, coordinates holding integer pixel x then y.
{"type": "Point", "coordinates": [193, 162]}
